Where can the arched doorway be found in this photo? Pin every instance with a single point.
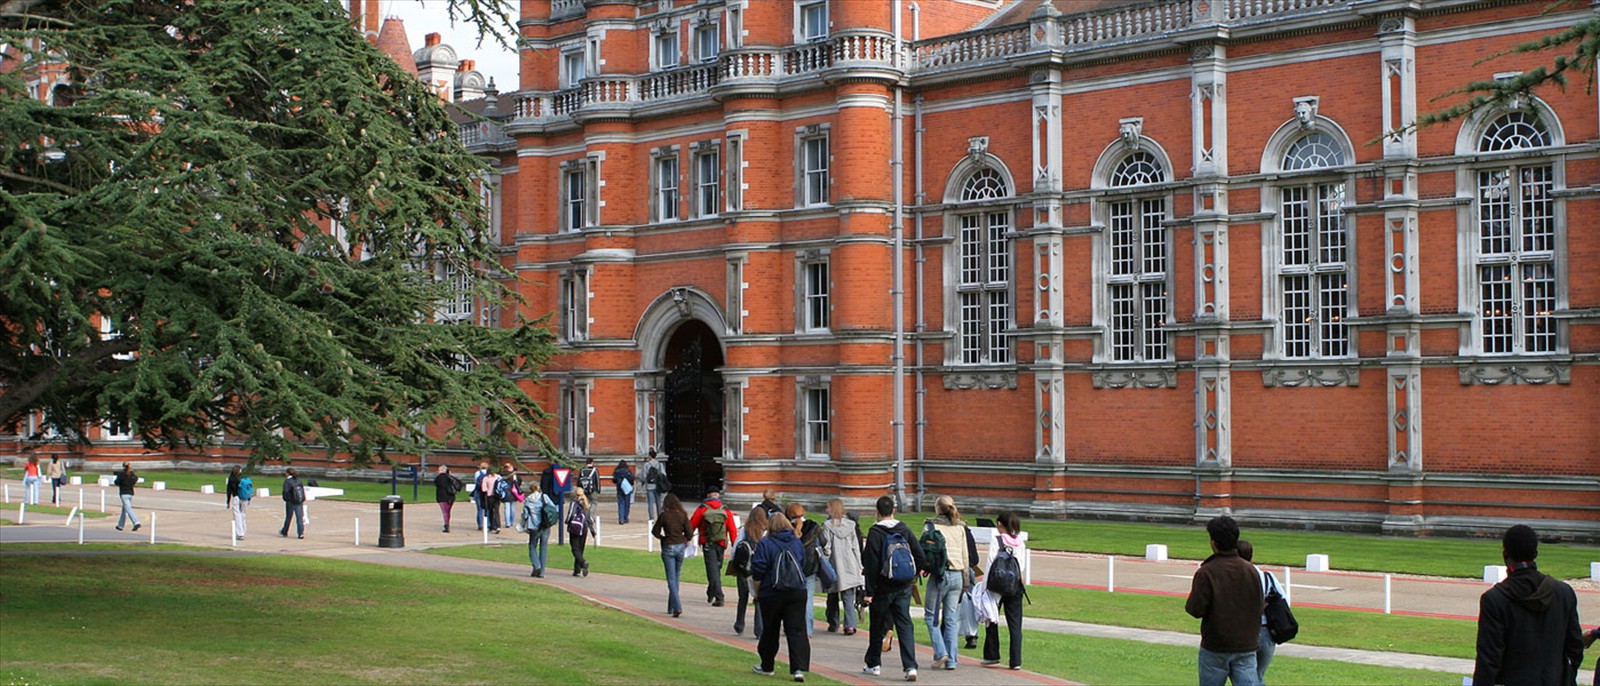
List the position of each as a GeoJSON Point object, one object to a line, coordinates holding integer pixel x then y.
{"type": "Point", "coordinates": [691, 410]}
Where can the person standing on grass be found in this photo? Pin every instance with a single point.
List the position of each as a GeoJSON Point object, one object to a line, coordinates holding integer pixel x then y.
{"type": "Point", "coordinates": [1268, 584]}
{"type": "Point", "coordinates": [294, 505]}
{"type": "Point", "coordinates": [445, 488]}
{"type": "Point", "coordinates": [31, 480]}
{"type": "Point", "coordinates": [783, 600]}
{"type": "Point", "coordinates": [739, 566]}
{"type": "Point", "coordinates": [1226, 597]}
{"type": "Point", "coordinates": [888, 600]}
{"type": "Point", "coordinates": [654, 475]}
{"type": "Point", "coordinates": [1008, 529]}
{"type": "Point", "coordinates": [716, 530]}
{"type": "Point", "coordinates": [841, 537]}
{"type": "Point", "coordinates": [672, 529]}
{"type": "Point", "coordinates": [622, 477]}
{"type": "Point", "coordinates": [942, 602]}
{"type": "Point", "coordinates": [539, 515]}
{"type": "Point", "coordinates": [581, 524]}
{"type": "Point", "coordinates": [489, 486]}
{"type": "Point", "coordinates": [58, 477]}
{"type": "Point", "coordinates": [1528, 631]}
{"type": "Point", "coordinates": [240, 491]}
{"type": "Point", "coordinates": [125, 481]}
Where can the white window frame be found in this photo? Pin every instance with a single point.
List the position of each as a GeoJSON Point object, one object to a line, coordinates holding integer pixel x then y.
{"type": "Point", "coordinates": [735, 25]}
{"type": "Point", "coordinates": [813, 292]}
{"type": "Point", "coordinates": [707, 38]}
{"type": "Point", "coordinates": [985, 305]}
{"type": "Point", "coordinates": [489, 197]}
{"type": "Point", "coordinates": [804, 12]}
{"type": "Point", "coordinates": [573, 305]}
{"type": "Point", "coordinates": [579, 200]}
{"type": "Point", "coordinates": [813, 163]}
{"type": "Point", "coordinates": [116, 430]}
{"type": "Point", "coordinates": [574, 417]}
{"type": "Point", "coordinates": [733, 177]}
{"type": "Point", "coordinates": [574, 66]}
{"type": "Point", "coordinates": [1134, 332]}
{"type": "Point", "coordinates": [814, 412]}
{"type": "Point", "coordinates": [666, 186]}
{"type": "Point", "coordinates": [666, 47]}
{"type": "Point", "coordinates": [706, 194]}
{"type": "Point", "coordinates": [457, 305]}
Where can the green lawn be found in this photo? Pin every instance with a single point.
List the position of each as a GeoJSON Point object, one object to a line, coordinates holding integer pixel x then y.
{"type": "Point", "coordinates": [1453, 557]}
{"type": "Point", "coordinates": [354, 491]}
{"type": "Point", "coordinates": [182, 619]}
{"type": "Point", "coordinates": [51, 509]}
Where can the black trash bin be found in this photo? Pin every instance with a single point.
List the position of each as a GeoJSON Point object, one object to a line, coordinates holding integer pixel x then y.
{"type": "Point", "coordinates": [391, 522]}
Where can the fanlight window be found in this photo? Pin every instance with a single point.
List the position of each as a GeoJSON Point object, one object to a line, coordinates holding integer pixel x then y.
{"type": "Point", "coordinates": [1138, 169]}
{"type": "Point", "coordinates": [983, 184]}
{"type": "Point", "coordinates": [1514, 131]}
{"type": "Point", "coordinates": [1315, 150]}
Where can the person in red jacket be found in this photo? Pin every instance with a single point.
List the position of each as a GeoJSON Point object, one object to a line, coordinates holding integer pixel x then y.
{"type": "Point", "coordinates": [715, 526]}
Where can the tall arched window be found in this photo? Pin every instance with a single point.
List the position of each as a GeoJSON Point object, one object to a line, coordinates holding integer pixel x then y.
{"type": "Point", "coordinates": [983, 283]}
{"type": "Point", "coordinates": [1313, 261]}
{"type": "Point", "coordinates": [1137, 278]}
{"type": "Point", "coordinates": [1514, 265]}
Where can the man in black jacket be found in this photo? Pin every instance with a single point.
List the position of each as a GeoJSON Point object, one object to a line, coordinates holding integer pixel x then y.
{"type": "Point", "coordinates": [1226, 597]}
{"type": "Point", "coordinates": [889, 600]}
{"type": "Point", "coordinates": [1528, 630]}
{"type": "Point", "coordinates": [294, 505]}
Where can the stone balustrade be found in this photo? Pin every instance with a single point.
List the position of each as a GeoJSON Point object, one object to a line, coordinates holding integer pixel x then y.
{"type": "Point", "coordinates": [1259, 9]}
{"type": "Point", "coordinates": [970, 48]}
{"type": "Point", "coordinates": [679, 82]}
{"type": "Point", "coordinates": [1128, 23]}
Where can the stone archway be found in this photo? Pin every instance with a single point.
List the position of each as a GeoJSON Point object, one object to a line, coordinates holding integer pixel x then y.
{"type": "Point", "coordinates": [691, 409]}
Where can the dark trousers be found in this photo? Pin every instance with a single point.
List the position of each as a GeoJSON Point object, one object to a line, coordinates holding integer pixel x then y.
{"type": "Point", "coordinates": [744, 603]}
{"type": "Point", "coordinates": [491, 512]}
{"type": "Point", "coordinates": [713, 554]}
{"type": "Point", "coordinates": [792, 609]}
{"type": "Point", "coordinates": [1012, 607]}
{"type": "Point", "coordinates": [892, 607]}
{"type": "Point", "coordinates": [295, 512]}
{"type": "Point", "coordinates": [578, 563]}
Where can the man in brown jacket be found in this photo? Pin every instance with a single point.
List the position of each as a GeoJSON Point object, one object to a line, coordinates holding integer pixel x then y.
{"type": "Point", "coordinates": [1226, 597]}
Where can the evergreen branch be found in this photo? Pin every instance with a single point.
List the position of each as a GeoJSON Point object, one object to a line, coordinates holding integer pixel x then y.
{"type": "Point", "coordinates": [47, 183]}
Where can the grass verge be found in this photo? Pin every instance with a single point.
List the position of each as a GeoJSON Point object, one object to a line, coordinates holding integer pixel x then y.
{"type": "Point", "coordinates": [50, 509]}
{"type": "Point", "coordinates": [354, 491]}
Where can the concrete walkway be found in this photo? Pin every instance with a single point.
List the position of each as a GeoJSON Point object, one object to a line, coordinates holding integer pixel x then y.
{"type": "Point", "coordinates": [200, 519]}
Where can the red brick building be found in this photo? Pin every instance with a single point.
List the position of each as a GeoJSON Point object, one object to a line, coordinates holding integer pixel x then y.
{"type": "Point", "coordinates": [1154, 259]}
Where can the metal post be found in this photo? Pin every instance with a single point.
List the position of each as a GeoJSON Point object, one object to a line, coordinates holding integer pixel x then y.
{"type": "Point", "coordinates": [8, 494]}
{"type": "Point", "coordinates": [22, 511]}
{"type": "Point", "coordinates": [233, 532]}
{"type": "Point", "coordinates": [486, 533]}
{"type": "Point", "coordinates": [650, 540]}
{"type": "Point", "coordinates": [358, 531]}
{"type": "Point", "coordinates": [1386, 594]}
{"type": "Point", "coordinates": [1111, 574]}
{"type": "Point", "coordinates": [102, 501]}
{"type": "Point", "coordinates": [80, 529]}
{"type": "Point", "coordinates": [152, 528]}
{"type": "Point", "coordinates": [70, 515]}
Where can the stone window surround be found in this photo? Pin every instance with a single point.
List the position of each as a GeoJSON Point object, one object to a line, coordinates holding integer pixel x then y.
{"type": "Point", "coordinates": [802, 289]}
{"type": "Point", "coordinates": [574, 411]}
{"type": "Point", "coordinates": [698, 150]}
{"type": "Point", "coordinates": [657, 156]}
{"type": "Point", "coordinates": [1102, 195]}
{"type": "Point", "coordinates": [803, 386]}
{"type": "Point", "coordinates": [802, 135]}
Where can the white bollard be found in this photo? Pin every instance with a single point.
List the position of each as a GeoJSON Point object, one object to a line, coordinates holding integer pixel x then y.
{"type": "Point", "coordinates": [1494, 574]}
{"type": "Point", "coordinates": [208, 489]}
{"type": "Point", "coordinates": [1594, 571]}
{"type": "Point", "coordinates": [104, 481]}
{"type": "Point", "coordinates": [1288, 586]}
{"type": "Point", "coordinates": [80, 529]}
{"type": "Point", "coordinates": [1155, 552]}
{"type": "Point", "coordinates": [80, 498]}
{"type": "Point", "coordinates": [75, 480]}
{"type": "Point", "coordinates": [358, 531]}
{"type": "Point", "coordinates": [8, 494]}
{"type": "Point", "coordinates": [1387, 595]}
{"type": "Point", "coordinates": [1316, 563]}
{"type": "Point", "coordinates": [160, 486]}
{"type": "Point", "coordinates": [649, 539]}
{"type": "Point", "coordinates": [263, 493]}
{"type": "Point", "coordinates": [152, 528]}
{"type": "Point", "coordinates": [1111, 574]}
{"type": "Point", "coordinates": [102, 501]}
{"type": "Point", "coordinates": [485, 534]}
{"type": "Point", "coordinates": [22, 512]}
{"type": "Point", "coordinates": [70, 515]}
{"type": "Point", "coordinates": [233, 532]}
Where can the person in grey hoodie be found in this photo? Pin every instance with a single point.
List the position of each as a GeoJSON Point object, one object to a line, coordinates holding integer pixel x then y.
{"type": "Point", "coordinates": [1528, 631]}
{"type": "Point", "coordinates": [841, 537]}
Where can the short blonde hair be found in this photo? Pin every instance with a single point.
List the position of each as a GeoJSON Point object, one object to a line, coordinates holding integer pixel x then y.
{"type": "Point", "coordinates": [777, 522]}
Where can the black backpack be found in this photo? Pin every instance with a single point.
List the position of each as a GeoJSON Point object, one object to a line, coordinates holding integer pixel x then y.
{"type": "Point", "coordinates": [785, 574]}
{"type": "Point", "coordinates": [1005, 575]}
{"type": "Point", "coordinates": [1281, 624]}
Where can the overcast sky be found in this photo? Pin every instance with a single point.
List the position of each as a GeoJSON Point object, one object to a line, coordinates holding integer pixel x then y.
{"type": "Point", "coordinates": [423, 17]}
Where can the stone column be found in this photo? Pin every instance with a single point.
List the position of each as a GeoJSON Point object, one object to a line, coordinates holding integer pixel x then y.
{"type": "Point", "coordinates": [1213, 382]}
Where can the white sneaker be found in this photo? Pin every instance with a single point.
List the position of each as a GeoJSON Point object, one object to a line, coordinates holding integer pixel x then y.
{"type": "Point", "coordinates": [911, 675]}
{"type": "Point", "coordinates": [874, 671]}
{"type": "Point", "coordinates": [799, 677]}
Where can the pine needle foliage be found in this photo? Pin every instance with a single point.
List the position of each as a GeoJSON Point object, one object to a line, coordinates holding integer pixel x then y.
{"type": "Point", "coordinates": [184, 188]}
{"type": "Point", "coordinates": [1582, 39]}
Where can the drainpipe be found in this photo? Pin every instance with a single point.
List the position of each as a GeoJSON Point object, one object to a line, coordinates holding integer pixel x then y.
{"type": "Point", "coordinates": [896, 256]}
{"type": "Point", "coordinates": [922, 318]}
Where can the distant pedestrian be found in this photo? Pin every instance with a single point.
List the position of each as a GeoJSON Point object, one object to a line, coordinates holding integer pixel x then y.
{"type": "Point", "coordinates": [1269, 583]}
{"type": "Point", "coordinates": [1528, 631]}
{"type": "Point", "coordinates": [841, 536]}
{"type": "Point", "coordinates": [445, 489]}
{"type": "Point", "coordinates": [125, 481]}
{"type": "Point", "coordinates": [888, 597]}
{"type": "Point", "coordinates": [1008, 529]}
{"type": "Point", "coordinates": [739, 566]}
{"type": "Point", "coordinates": [1226, 597]}
{"type": "Point", "coordinates": [294, 505]}
{"type": "Point", "coordinates": [654, 475]}
{"type": "Point", "coordinates": [581, 524]}
{"type": "Point", "coordinates": [716, 530]}
{"type": "Point", "coordinates": [769, 502]}
{"type": "Point", "coordinates": [948, 578]}
{"type": "Point", "coordinates": [539, 515]}
{"type": "Point", "coordinates": [780, 585]}
{"type": "Point", "coordinates": [672, 529]}
{"type": "Point", "coordinates": [589, 477]}
{"type": "Point", "coordinates": [510, 495]}
{"type": "Point", "coordinates": [489, 486]}
{"type": "Point", "coordinates": [57, 474]}
{"type": "Point", "coordinates": [810, 534]}
{"type": "Point", "coordinates": [241, 490]}
{"type": "Point", "coordinates": [477, 494]}
{"type": "Point", "coordinates": [31, 480]}
{"type": "Point", "coordinates": [622, 477]}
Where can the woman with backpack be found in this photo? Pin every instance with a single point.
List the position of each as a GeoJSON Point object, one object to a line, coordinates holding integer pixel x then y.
{"type": "Point", "coordinates": [581, 524]}
{"type": "Point", "coordinates": [240, 491]}
{"type": "Point", "coordinates": [672, 529]}
{"type": "Point", "coordinates": [539, 515]}
{"type": "Point", "coordinates": [622, 476]}
{"type": "Point", "coordinates": [780, 586]}
{"type": "Point", "coordinates": [952, 557]}
{"type": "Point", "coordinates": [739, 566]}
{"type": "Point", "coordinates": [842, 540]}
{"type": "Point", "coordinates": [1002, 572]}
{"type": "Point", "coordinates": [445, 489]}
{"type": "Point", "coordinates": [489, 490]}
{"type": "Point", "coordinates": [510, 495]}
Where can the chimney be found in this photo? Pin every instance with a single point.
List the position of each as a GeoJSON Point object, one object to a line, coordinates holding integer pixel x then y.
{"type": "Point", "coordinates": [430, 39]}
{"type": "Point", "coordinates": [468, 65]}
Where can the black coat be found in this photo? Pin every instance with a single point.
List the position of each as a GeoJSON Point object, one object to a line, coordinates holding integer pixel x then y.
{"type": "Point", "coordinates": [1528, 632]}
{"type": "Point", "coordinates": [872, 558]}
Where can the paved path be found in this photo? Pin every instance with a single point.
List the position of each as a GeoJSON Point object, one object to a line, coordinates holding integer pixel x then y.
{"type": "Point", "coordinates": [200, 519]}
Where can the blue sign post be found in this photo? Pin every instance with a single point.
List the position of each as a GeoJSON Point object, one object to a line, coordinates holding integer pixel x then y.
{"type": "Point", "coordinates": [560, 484]}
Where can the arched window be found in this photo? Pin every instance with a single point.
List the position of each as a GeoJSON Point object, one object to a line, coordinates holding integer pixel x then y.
{"type": "Point", "coordinates": [1315, 150]}
{"type": "Point", "coordinates": [1137, 278]}
{"type": "Point", "coordinates": [1313, 261]}
{"type": "Point", "coordinates": [983, 283]}
{"type": "Point", "coordinates": [1515, 255]}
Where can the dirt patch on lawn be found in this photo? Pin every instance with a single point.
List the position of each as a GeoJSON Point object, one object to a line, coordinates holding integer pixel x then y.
{"type": "Point", "coordinates": [231, 581]}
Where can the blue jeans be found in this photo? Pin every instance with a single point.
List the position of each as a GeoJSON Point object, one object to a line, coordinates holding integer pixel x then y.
{"type": "Point", "coordinates": [30, 489]}
{"type": "Point", "coordinates": [538, 548]}
{"type": "Point", "coordinates": [811, 605]}
{"type": "Point", "coordinates": [477, 502]}
{"type": "Point", "coordinates": [127, 511]}
{"type": "Point", "coordinates": [297, 513]}
{"type": "Point", "coordinates": [624, 503]}
{"type": "Point", "coordinates": [892, 608]}
{"type": "Point", "coordinates": [510, 516]}
{"type": "Point", "coordinates": [1217, 668]}
{"type": "Point", "coordinates": [653, 501]}
{"type": "Point", "coordinates": [942, 602]}
{"type": "Point", "coordinates": [1264, 655]}
{"type": "Point", "coordinates": [672, 559]}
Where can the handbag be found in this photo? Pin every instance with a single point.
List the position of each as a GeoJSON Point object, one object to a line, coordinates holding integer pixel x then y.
{"type": "Point", "coordinates": [627, 487]}
{"type": "Point", "coordinates": [827, 578]}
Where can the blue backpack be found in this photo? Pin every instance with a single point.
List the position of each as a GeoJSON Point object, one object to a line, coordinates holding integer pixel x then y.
{"type": "Point", "coordinates": [899, 565]}
{"type": "Point", "coordinates": [247, 490]}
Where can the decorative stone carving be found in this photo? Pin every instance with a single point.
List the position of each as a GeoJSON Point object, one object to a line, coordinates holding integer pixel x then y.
{"type": "Point", "coordinates": [1203, 52]}
{"type": "Point", "coordinates": [966, 381]}
{"type": "Point", "coordinates": [1308, 377]}
{"type": "Point", "coordinates": [1135, 378]}
{"type": "Point", "coordinates": [1305, 110]}
{"type": "Point", "coordinates": [1130, 130]}
{"type": "Point", "coordinates": [977, 149]}
{"type": "Point", "coordinates": [1391, 25]}
{"type": "Point", "coordinates": [680, 300]}
{"type": "Point", "coordinates": [1513, 374]}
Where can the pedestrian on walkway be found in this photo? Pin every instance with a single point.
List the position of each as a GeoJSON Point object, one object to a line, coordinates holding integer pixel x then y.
{"type": "Point", "coordinates": [1528, 631]}
{"type": "Point", "coordinates": [769, 502]}
{"type": "Point", "coordinates": [622, 478]}
{"type": "Point", "coordinates": [31, 480]}
{"type": "Point", "coordinates": [841, 536]}
{"type": "Point", "coordinates": [294, 505]}
{"type": "Point", "coordinates": [739, 566]}
{"type": "Point", "coordinates": [654, 475]}
{"type": "Point", "coordinates": [1269, 583]}
{"type": "Point", "coordinates": [589, 477]}
{"type": "Point", "coordinates": [1008, 531]}
{"type": "Point", "coordinates": [810, 534]}
{"type": "Point", "coordinates": [510, 496]}
{"type": "Point", "coordinates": [125, 481]}
{"type": "Point", "coordinates": [489, 486]}
{"type": "Point", "coordinates": [1226, 597]}
{"type": "Point", "coordinates": [57, 474]}
{"type": "Point", "coordinates": [539, 515]}
{"type": "Point", "coordinates": [241, 490]}
{"type": "Point", "coordinates": [950, 572]}
{"type": "Point", "coordinates": [477, 494]}
{"type": "Point", "coordinates": [445, 488]}
{"type": "Point", "coordinates": [783, 600]}
{"type": "Point", "coordinates": [715, 528]}
{"type": "Point", "coordinates": [672, 529]}
{"type": "Point", "coordinates": [581, 524]}
{"type": "Point", "coordinates": [888, 599]}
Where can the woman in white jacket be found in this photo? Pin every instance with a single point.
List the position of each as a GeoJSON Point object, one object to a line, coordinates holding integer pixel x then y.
{"type": "Point", "coordinates": [842, 541]}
